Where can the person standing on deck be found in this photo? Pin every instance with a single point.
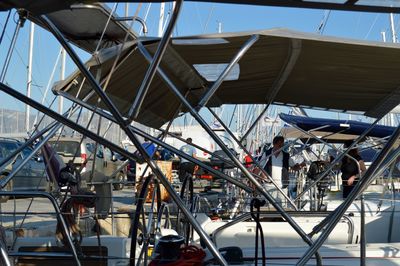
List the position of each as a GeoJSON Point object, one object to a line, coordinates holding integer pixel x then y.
{"type": "Point", "coordinates": [277, 167]}
{"type": "Point", "coordinates": [351, 169]}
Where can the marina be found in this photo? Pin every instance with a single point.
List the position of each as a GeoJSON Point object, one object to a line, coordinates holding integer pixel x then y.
{"type": "Point", "coordinates": [268, 146]}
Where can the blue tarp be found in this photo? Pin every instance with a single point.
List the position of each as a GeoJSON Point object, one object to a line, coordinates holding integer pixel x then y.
{"type": "Point", "coordinates": [349, 127]}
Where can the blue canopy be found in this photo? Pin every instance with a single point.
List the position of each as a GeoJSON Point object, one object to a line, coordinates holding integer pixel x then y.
{"type": "Point", "coordinates": [334, 129]}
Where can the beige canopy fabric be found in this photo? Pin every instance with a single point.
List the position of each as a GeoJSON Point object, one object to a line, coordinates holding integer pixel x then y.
{"type": "Point", "coordinates": [283, 66]}
{"type": "Point", "coordinates": [160, 104]}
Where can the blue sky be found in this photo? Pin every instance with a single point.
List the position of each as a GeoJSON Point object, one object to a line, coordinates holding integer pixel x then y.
{"type": "Point", "coordinates": [196, 18]}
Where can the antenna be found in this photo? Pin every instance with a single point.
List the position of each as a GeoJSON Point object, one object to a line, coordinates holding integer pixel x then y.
{"type": "Point", "coordinates": [383, 33]}
{"type": "Point", "coordinates": [161, 19]}
{"type": "Point", "coordinates": [62, 77]}
{"type": "Point", "coordinates": [394, 37]}
{"type": "Point", "coordinates": [219, 26]}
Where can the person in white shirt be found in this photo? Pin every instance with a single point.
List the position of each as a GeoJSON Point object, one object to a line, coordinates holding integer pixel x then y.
{"type": "Point", "coordinates": [277, 167]}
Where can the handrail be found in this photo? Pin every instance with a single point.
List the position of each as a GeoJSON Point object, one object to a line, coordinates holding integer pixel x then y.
{"type": "Point", "coordinates": [247, 216]}
{"type": "Point", "coordinates": [57, 209]}
{"type": "Point", "coordinates": [163, 209]}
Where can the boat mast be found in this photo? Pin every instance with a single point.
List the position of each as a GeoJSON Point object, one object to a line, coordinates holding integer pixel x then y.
{"type": "Point", "coordinates": [386, 119]}
{"type": "Point", "coordinates": [62, 77]}
{"type": "Point", "coordinates": [127, 10]}
{"type": "Point", "coordinates": [161, 20]}
{"type": "Point", "coordinates": [29, 81]}
{"type": "Point", "coordinates": [394, 37]}
{"type": "Point", "coordinates": [394, 40]}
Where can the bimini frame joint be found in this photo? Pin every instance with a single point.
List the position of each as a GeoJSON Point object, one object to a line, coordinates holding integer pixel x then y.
{"type": "Point", "coordinates": [151, 71]}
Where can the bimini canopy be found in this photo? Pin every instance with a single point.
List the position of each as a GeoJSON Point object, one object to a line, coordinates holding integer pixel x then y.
{"type": "Point", "coordinates": [331, 129]}
{"type": "Point", "coordinates": [83, 25]}
{"type": "Point", "coordinates": [285, 67]}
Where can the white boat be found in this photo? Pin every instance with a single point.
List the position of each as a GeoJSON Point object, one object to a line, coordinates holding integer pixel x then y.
{"type": "Point", "coordinates": [171, 75]}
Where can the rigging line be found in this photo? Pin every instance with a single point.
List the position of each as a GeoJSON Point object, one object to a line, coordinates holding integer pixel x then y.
{"type": "Point", "coordinates": [248, 113]}
{"type": "Point", "coordinates": [397, 26]}
{"type": "Point", "coordinates": [191, 120]}
{"type": "Point", "coordinates": [177, 29]}
{"type": "Point", "coordinates": [105, 28]}
{"type": "Point", "coordinates": [5, 26]}
{"type": "Point", "coordinates": [248, 117]}
{"type": "Point", "coordinates": [22, 61]}
{"type": "Point", "coordinates": [35, 126]}
{"type": "Point", "coordinates": [357, 23]}
{"type": "Point", "coordinates": [166, 19]}
{"type": "Point", "coordinates": [10, 51]}
{"type": "Point", "coordinates": [145, 18]}
{"type": "Point", "coordinates": [251, 115]}
{"type": "Point", "coordinates": [372, 26]}
{"type": "Point", "coordinates": [40, 88]}
{"type": "Point", "coordinates": [322, 25]}
{"type": "Point", "coordinates": [222, 111]}
{"type": "Point", "coordinates": [234, 110]}
{"type": "Point", "coordinates": [198, 14]}
{"type": "Point", "coordinates": [208, 18]}
{"type": "Point", "coordinates": [48, 84]}
{"type": "Point", "coordinates": [121, 47]}
{"type": "Point", "coordinates": [37, 55]}
{"type": "Point", "coordinates": [245, 118]}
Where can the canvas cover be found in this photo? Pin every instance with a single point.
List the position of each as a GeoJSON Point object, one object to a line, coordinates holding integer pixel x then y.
{"type": "Point", "coordinates": [337, 130]}
{"type": "Point", "coordinates": [84, 24]}
{"type": "Point", "coordinates": [283, 66]}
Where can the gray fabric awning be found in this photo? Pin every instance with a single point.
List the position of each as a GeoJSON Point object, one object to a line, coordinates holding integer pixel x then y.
{"type": "Point", "coordinates": [84, 24]}
{"type": "Point", "coordinates": [160, 103]}
{"type": "Point", "coordinates": [39, 6]}
{"type": "Point", "coordinates": [300, 69]}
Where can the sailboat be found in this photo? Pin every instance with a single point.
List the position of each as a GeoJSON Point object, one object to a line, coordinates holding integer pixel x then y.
{"type": "Point", "coordinates": [166, 83]}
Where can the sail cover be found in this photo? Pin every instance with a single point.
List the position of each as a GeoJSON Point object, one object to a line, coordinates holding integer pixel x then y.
{"type": "Point", "coordinates": [331, 129]}
{"type": "Point", "coordinates": [283, 66]}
